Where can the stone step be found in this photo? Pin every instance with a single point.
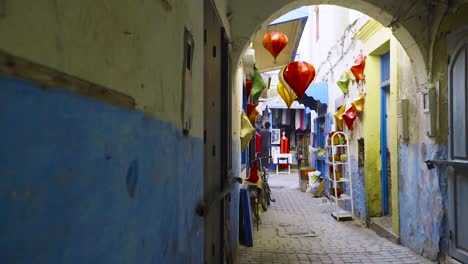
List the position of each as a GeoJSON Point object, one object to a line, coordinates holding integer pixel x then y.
{"type": "Point", "coordinates": [383, 227]}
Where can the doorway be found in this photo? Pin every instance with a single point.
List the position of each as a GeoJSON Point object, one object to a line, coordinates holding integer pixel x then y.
{"type": "Point", "coordinates": [217, 139]}
{"type": "Point", "coordinates": [385, 134]}
{"type": "Point", "coordinates": [458, 145]}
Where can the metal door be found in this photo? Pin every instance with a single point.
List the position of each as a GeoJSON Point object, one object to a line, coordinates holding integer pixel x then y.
{"type": "Point", "coordinates": [458, 145]}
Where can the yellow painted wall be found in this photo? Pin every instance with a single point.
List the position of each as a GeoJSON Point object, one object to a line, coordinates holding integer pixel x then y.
{"type": "Point", "coordinates": [378, 40]}
{"type": "Point", "coordinates": [371, 132]}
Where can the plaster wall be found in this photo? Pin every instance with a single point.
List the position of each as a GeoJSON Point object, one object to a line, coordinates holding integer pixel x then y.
{"type": "Point", "coordinates": [379, 42]}
{"type": "Point", "coordinates": [133, 48]}
{"type": "Point", "coordinates": [113, 181]}
{"type": "Point", "coordinates": [425, 229]}
{"type": "Point", "coordinates": [87, 182]}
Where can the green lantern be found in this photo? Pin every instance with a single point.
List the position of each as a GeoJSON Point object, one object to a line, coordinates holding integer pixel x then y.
{"type": "Point", "coordinates": [343, 83]}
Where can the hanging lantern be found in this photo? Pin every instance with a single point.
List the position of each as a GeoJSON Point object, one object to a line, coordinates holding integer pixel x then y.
{"type": "Point", "coordinates": [252, 112]}
{"type": "Point", "coordinates": [359, 103]}
{"type": "Point", "coordinates": [343, 83]}
{"type": "Point", "coordinates": [275, 42]}
{"type": "Point", "coordinates": [285, 91]}
{"type": "Point", "coordinates": [358, 67]}
{"type": "Point", "coordinates": [349, 116]}
{"type": "Point", "coordinates": [248, 62]}
{"type": "Point", "coordinates": [299, 75]}
{"type": "Point", "coordinates": [339, 117]}
{"type": "Point", "coordinates": [248, 87]}
{"type": "Point", "coordinates": [258, 85]}
{"type": "Point", "coordinates": [247, 131]}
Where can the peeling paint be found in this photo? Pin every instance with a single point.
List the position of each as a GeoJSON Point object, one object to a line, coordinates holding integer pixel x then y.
{"type": "Point", "coordinates": [423, 196]}
{"type": "Point", "coordinates": [49, 136]}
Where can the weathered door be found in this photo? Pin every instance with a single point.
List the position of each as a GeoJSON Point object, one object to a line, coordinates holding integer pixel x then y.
{"type": "Point", "coordinates": [216, 135]}
{"type": "Point", "coordinates": [384, 132]}
{"type": "Point", "coordinates": [458, 144]}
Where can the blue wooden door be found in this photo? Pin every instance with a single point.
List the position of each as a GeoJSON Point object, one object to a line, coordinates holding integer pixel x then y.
{"type": "Point", "coordinates": [384, 101]}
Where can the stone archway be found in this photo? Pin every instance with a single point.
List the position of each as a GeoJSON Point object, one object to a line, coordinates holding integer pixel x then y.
{"type": "Point", "coordinates": [410, 28]}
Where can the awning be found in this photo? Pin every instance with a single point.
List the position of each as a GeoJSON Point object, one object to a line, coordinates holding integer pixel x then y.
{"type": "Point", "coordinates": [293, 29]}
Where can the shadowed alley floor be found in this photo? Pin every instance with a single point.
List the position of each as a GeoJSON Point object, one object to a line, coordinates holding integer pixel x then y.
{"type": "Point", "coordinates": [299, 229]}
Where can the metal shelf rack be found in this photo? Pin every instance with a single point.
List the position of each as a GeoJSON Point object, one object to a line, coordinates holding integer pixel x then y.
{"type": "Point", "coordinates": [334, 150]}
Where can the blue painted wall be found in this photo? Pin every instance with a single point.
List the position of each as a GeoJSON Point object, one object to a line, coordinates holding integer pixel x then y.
{"type": "Point", "coordinates": [423, 200]}
{"type": "Point", "coordinates": [359, 191]}
{"type": "Point", "coordinates": [69, 166]}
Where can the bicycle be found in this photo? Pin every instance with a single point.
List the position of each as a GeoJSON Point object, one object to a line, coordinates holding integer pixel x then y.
{"type": "Point", "coordinates": [260, 195]}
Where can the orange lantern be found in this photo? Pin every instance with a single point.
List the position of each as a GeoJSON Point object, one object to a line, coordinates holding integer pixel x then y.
{"type": "Point", "coordinates": [299, 75]}
{"type": "Point", "coordinates": [275, 42]}
{"type": "Point", "coordinates": [358, 67]}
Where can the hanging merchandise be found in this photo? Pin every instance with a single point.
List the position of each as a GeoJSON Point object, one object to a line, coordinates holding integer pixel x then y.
{"type": "Point", "coordinates": [297, 119]}
{"type": "Point", "coordinates": [339, 117]}
{"type": "Point", "coordinates": [343, 83]}
{"type": "Point", "coordinates": [248, 87]}
{"type": "Point", "coordinates": [285, 117]}
{"type": "Point", "coordinates": [252, 112]}
{"type": "Point", "coordinates": [349, 116]}
{"type": "Point", "coordinates": [247, 131]}
{"type": "Point", "coordinates": [248, 62]}
{"type": "Point", "coordinates": [253, 175]}
{"type": "Point", "coordinates": [358, 67]}
{"type": "Point", "coordinates": [258, 85]}
{"type": "Point", "coordinates": [359, 103]}
{"type": "Point", "coordinates": [285, 91]}
{"type": "Point", "coordinates": [275, 42]}
{"type": "Point", "coordinates": [299, 75]}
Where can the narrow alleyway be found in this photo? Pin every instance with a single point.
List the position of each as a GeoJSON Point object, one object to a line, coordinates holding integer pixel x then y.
{"type": "Point", "coordinates": [299, 229]}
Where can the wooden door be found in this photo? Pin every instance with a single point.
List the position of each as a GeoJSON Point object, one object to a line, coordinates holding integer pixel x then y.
{"type": "Point", "coordinates": [458, 144]}
{"type": "Point", "coordinates": [217, 136]}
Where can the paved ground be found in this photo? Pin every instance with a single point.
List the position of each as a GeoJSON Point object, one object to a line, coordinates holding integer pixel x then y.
{"type": "Point", "coordinates": [299, 229]}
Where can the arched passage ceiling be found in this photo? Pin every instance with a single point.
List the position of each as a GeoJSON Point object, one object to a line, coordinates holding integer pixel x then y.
{"type": "Point", "coordinates": [414, 29]}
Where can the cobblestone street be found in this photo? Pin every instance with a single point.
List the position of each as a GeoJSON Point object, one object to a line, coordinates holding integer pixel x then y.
{"type": "Point", "coordinates": [299, 229]}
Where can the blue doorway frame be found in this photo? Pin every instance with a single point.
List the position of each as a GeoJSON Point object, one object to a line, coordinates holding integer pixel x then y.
{"type": "Point", "coordinates": [384, 91]}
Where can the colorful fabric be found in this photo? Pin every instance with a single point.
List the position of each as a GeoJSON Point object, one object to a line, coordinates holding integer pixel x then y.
{"type": "Point", "coordinates": [258, 143]}
{"type": "Point", "coordinates": [253, 174]}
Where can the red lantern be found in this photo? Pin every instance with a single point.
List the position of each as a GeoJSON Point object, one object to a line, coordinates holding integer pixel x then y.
{"type": "Point", "coordinates": [349, 116]}
{"type": "Point", "coordinates": [275, 42]}
{"type": "Point", "coordinates": [299, 75]}
{"type": "Point", "coordinates": [248, 87]}
{"type": "Point", "coordinates": [358, 68]}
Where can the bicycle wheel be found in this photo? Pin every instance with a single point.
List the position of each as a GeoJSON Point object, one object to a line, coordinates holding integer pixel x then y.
{"type": "Point", "coordinates": [265, 197]}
